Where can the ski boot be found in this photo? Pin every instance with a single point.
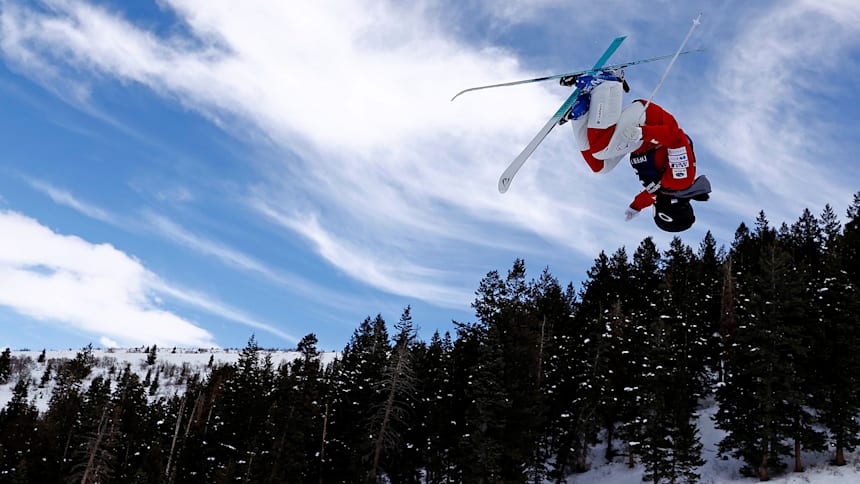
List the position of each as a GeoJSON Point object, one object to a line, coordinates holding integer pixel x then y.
{"type": "Point", "coordinates": [578, 109]}
{"type": "Point", "coordinates": [586, 83]}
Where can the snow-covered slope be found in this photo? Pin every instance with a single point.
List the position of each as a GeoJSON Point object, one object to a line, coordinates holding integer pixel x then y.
{"type": "Point", "coordinates": [172, 367]}
{"type": "Point", "coordinates": [719, 471]}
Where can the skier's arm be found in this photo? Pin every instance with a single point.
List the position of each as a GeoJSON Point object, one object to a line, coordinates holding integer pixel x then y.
{"type": "Point", "coordinates": [661, 128]}
{"type": "Point", "coordinates": [644, 200]}
{"type": "Point", "coordinates": [646, 197]}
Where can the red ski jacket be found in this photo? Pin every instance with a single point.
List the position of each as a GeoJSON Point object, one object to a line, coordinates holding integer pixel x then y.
{"type": "Point", "coordinates": [665, 161]}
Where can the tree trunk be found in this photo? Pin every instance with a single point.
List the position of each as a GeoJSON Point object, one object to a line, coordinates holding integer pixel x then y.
{"type": "Point", "coordinates": [610, 452]}
{"type": "Point", "coordinates": [580, 463]}
{"type": "Point", "coordinates": [322, 444]}
{"type": "Point", "coordinates": [389, 405]}
{"type": "Point", "coordinates": [762, 470]}
{"type": "Point", "coordinates": [840, 456]}
{"type": "Point", "coordinates": [798, 465]}
{"type": "Point", "coordinates": [99, 434]}
{"type": "Point", "coordinates": [175, 435]}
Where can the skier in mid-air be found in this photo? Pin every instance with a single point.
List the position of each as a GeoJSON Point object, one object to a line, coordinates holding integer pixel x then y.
{"type": "Point", "coordinates": [660, 152]}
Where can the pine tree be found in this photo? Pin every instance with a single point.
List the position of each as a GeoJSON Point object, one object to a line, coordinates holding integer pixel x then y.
{"type": "Point", "coordinates": [607, 303]}
{"type": "Point", "coordinates": [831, 228]}
{"type": "Point", "coordinates": [502, 380]}
{"type": "Point", "coordinates": [671, 449]}
{"type": "Point", "coordinates": [486, 403]}
{"type": "Point", "coordinates": [681, 296]}
{"type": "Point", "coordinates": [5, 366]}
{"type": "Point", "coordinates": [240, 414]}
{"type": "Point", "coordinates": [572, 390]}
{"type": "Point", "coordinates": [836, 304]}
{"type": "Point", "coordinates": [850, 244]}
{"type": "Point", "coordinates": [761, 402]}
{"type": "Point", "coordinates": [708, 284]}
{"type": "Point", "coordinates": [436, 407]}
{"type": "Point", "coordinates": [152, 355]}
{"type": "Point", "coordinates": [673, 354]}
{"type": "Point", "coordinates": [296, 417]}
{"type": "Point", "coordinates": [133, 423]}
{"type": "Point", "coordinates": [90, 456]}
{"type": "Point", "coordinates": [195, 420]}
{"type": "Point", "coordinates": [17, 439]}
{"type": "Point", "coordinates": [394, 417]}
{"type": "Point", "coordinates": [62, 420]}
{"type": "Point", "coordinates": [632, 325]}
{"type": "Point", "coordinates": [805, 242]}
{"type": "Point", "coordinates": [46, 376]}
{"type": "Point", "coordinates": [355, 390]}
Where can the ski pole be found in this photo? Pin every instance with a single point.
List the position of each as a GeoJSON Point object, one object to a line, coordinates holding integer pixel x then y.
{"type": "Point", "coordinates": [672, 62]}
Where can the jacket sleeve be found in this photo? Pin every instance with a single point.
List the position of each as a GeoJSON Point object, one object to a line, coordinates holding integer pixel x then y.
{"type": "Point", "coordinates": [643, 200]}
{"type": "Point", "coordinates": [661, 128]}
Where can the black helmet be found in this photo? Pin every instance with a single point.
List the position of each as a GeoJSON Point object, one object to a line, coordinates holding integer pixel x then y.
{"type": "Point", "coordinates": [673, 214]}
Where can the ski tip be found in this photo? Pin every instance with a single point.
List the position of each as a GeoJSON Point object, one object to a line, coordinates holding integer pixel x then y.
{"type": "Point", "coordinates": [504, 184]}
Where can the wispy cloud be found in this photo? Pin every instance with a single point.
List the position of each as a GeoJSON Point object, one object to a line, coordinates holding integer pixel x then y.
{"type": "Point", "coordinates": [230, 257]}
{"type": "Point", "coordinates": [212, 306]}
{"type": "Point", "coordinates": [65, 198]}
{"type": "Point", "coordinates": [152, 223]}
{"type": "Point", "coordinates": [385, 270]}
{"type": "Point", "coordinates": [764, 121]}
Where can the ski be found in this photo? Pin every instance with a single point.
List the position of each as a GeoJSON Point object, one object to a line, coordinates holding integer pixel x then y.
{"type": "Point", "coordinates": [508, 175]}
{"type": "Point", "coordinates": [578, 73]}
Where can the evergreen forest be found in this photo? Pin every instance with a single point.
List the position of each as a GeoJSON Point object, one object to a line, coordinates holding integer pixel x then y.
{"type": "Point", "coordinates": [767, 329]}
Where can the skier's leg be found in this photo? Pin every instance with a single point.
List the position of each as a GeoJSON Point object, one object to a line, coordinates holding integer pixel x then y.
{"type": "Point", "coordinates": [593, 129]}
{"type": "Point", "coordinates": [606, 99]}
{"type": "Point", "coordinates": [604, 112]}
{"type": "Point", "coordinates": [580, 134]}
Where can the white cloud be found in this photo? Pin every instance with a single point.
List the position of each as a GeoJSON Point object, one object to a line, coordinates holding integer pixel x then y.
{"type": "Point", "coordinates": [108, 343]}
{"type": "Point", "coordinates": [93, 288]}
{"type": "Point", "coordinates": [97, 288]}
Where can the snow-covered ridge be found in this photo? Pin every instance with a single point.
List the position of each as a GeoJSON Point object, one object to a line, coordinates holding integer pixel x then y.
{"type": "Point", "coordinates": [172, 368]}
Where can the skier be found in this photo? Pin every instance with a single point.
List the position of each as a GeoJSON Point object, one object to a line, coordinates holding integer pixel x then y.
{"type": "Point", "coordinates": [660, 152]}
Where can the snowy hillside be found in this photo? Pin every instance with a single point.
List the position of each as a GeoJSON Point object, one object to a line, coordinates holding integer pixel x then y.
{"type": "Point", "coordinates": [172, 367]}
{"type": "Point", "coordinates": [719, 471]}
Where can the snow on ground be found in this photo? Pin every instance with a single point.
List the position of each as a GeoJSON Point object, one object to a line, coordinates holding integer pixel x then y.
{"type": "Point", "coordinates": [719, 471]}
{"type": "Point", "coordinates": [170, 362]}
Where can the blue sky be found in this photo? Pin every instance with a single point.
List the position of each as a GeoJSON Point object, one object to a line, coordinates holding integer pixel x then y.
{"type": "Point", "coordinates": [190, 172]}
